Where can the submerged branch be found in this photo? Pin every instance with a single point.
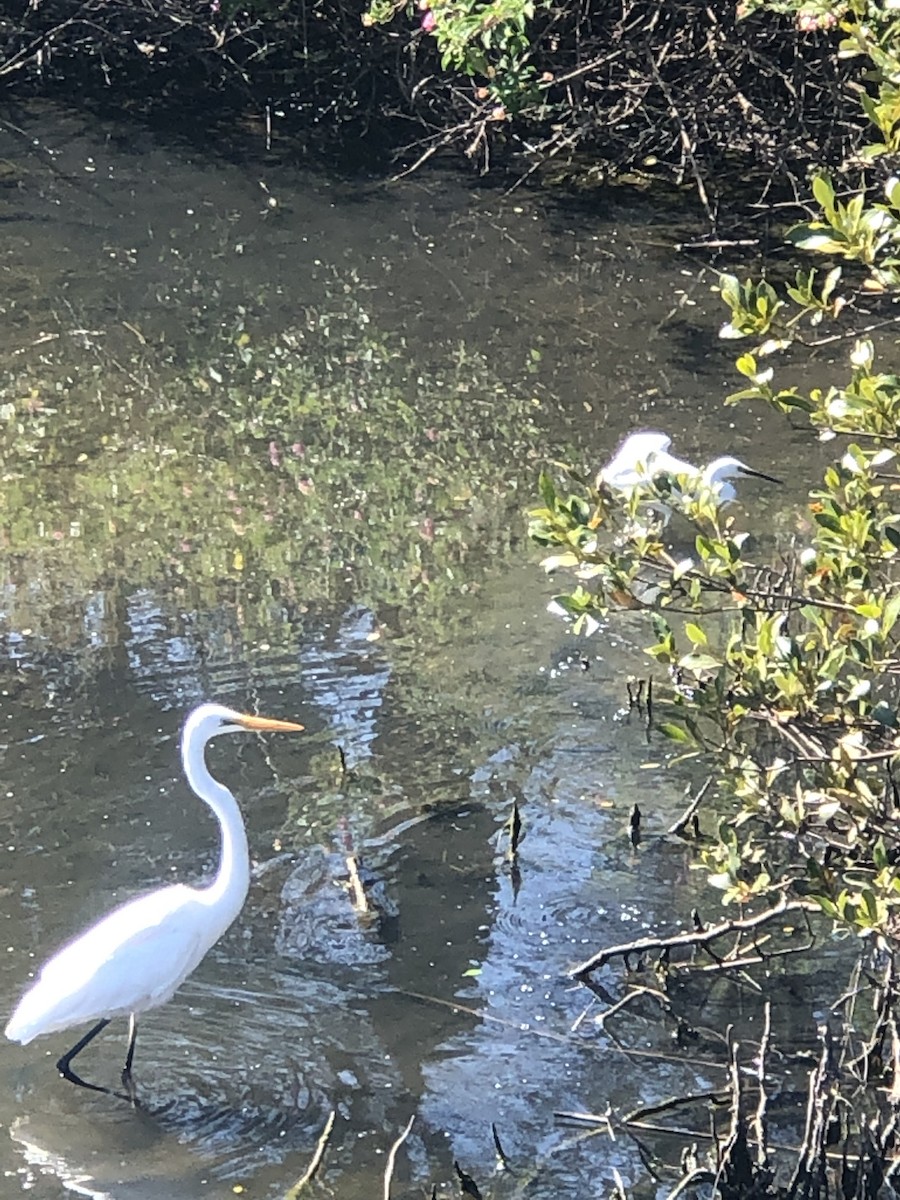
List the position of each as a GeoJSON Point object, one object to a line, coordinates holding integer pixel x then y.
{"type": "Point", "coordinates": [694, 939]}
{"type": "Point", "coordinates": [392, 1156]}
{"type": "Point", "coordinates": [315, 1161]}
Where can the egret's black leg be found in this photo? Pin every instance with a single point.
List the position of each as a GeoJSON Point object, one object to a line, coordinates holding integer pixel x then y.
{"type": "Point", "coordinates": [127, 1082]}
{"type": "Point", "coordinates": [64, 1065]}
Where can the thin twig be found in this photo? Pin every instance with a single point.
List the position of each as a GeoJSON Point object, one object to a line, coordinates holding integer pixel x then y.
{"type": "Point", "coordinates": [501, 1153]}
{"type": "Point", "coordinates": [357, 891]}
{"type": "Point", "coordinates": [686, 144]}
{"type": "Point", "coordinates": [717, 244]}
{"type": "Point", "coordinates": [651, 1110]}
{"type": "Point", "coordinates": [759, 1120]}
{"type": "Point", "coordinates": [684, 820]}
{"type": "Point", "coordinates": [579, 1020]}
{"type": "Point", "coordinates": [316, 1160]}
{"type": "Point", "coordinates": [727, 1156]}
{"type": "Point", "coordinates": [600, 1120]}
{"type": "Point", "coordinates": [392, 1157]}
{"type": "Point", "coordinates": [631, 1052]}
{"type": "Point", "coordinates": [663, 999]}
{"type": "Point", "coordinates": [700, 1175]}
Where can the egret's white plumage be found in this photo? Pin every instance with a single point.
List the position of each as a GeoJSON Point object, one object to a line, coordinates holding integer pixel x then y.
{"type": "Point", "coordinates": [644, 457]}
{"type": "Point", "coordinates": [103, 973]}
{"type": "Point", "coordinates": [716, 474]}
{"type": "Point", "coordinates": [136, 957]}
{"type": "Point", "coordinates": [633, 462]}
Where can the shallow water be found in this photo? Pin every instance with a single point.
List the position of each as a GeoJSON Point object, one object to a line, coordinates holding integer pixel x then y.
{"type": "Point", "coordinates": [338, 541]}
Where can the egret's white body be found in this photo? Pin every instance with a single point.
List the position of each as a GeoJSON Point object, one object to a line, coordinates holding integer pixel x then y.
{"type": "Point", "coordinates": [130, 961]}
{"type": "Point", "coordinates": [633, 463]}
{"type": "Point", "coordinates": [644, 457]}
{"type": "Point", "coordinates": [136, 957]}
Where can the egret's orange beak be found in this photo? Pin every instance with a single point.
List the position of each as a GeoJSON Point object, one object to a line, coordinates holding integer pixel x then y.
{"type": "Point", "coordinates": [263, 724]}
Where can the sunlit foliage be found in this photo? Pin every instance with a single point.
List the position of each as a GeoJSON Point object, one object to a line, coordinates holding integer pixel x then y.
{"type": "Point", "coordinates": [783, 675]}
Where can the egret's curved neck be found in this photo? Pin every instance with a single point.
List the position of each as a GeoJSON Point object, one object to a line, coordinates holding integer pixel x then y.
{"type": "Point", "coordinates": [229, 888]}
{"type": "Point", "coordinates": [719, 470]}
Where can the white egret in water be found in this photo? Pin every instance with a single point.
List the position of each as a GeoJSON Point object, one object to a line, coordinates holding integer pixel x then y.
{"type": "Point", "coordinates": [643, 457]}
{"type": "Point", "coordinates": [136, 957]}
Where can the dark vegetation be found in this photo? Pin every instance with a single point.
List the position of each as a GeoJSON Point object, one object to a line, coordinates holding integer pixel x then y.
{"type": "Point", "coordinates": [688, 91]}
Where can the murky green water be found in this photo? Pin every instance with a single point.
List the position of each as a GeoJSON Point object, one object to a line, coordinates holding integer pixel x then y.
{"type": "Point", "coordinates": [268, 440]}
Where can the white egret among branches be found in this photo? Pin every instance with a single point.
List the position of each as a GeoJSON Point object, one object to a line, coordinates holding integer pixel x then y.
{"type": "Point", "coordinates": [644, 458]}
{"type": "Point", "coordinates": [136, 957]}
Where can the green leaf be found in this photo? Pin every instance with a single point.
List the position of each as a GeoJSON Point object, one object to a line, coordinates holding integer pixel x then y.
{"type": "Point", "coordinates": [746, 364]}
{"type": "Point", "coordinates": [872, 151]}
{"type": "Point", "coordinates": [818, 241]}
{"type": "Point", "coordinates": [869, 609]}
{"type": "Point", "coordinates": [730, 290]}
{"type": "Point", "coordinates": [699, 662]}
{"type": "Point", "coordinates": [744, 394]}
{"type": "Point", "coordinates": [831, 281]}
{"type": "Point", "coordinates": [879, 855]}
{"type": "Point", "coordinates": [792, 400]}
{"type": "Point", "coordinates": [556, 561]}
{"type": "Point", "coordinates": [695, 634]}
{"type": "Point", "coordinates": [827, 906]}
{"type": "Point", "coordinates": [547, 489]}
{"type": "Point", "coordinates": [661, 627]}
{"type": "Point", "coordinates": [823, 191]}
{"type": "Point", "coordinates": [891, 610]}
{"type": "Point", "coordinates": [674, 732]}
{"type": "Point", "coordinates": [827, 521]}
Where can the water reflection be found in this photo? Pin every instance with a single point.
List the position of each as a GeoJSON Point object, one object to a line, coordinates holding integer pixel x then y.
{"type": "Point", "coordinates": [49, 1147]}
{"type": "Point", "coordinates": [347, 674]}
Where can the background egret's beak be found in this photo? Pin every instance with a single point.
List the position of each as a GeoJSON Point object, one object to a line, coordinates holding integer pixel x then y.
{"type": "Point", "coordinates": [760, 475]}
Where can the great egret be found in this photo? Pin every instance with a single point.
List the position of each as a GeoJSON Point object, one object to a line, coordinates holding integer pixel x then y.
{"type": "Point", "coordinates": [136, 957]}
{"type": "Point", "coordinates": [644, 456]}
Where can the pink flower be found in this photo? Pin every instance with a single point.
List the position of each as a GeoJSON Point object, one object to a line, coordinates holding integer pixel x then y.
{"type": "Point", "coordinates": [428, 21]}
{"type": "Point", "coordinates": [809, 22]}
